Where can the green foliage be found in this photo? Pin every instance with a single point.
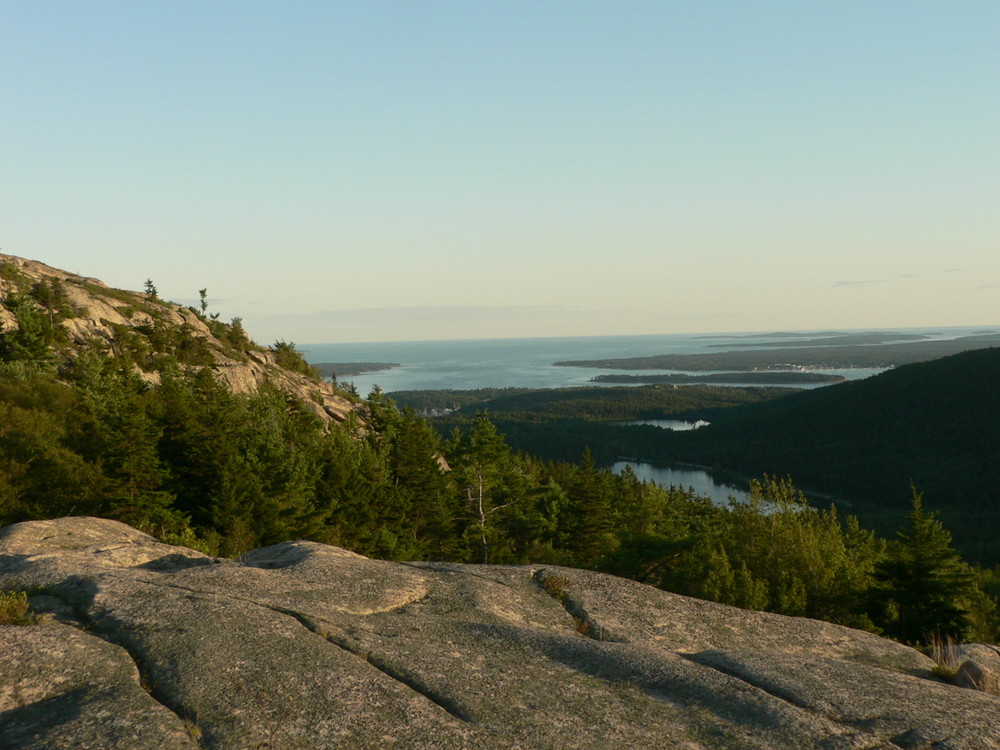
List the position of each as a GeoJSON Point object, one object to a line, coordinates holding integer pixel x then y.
{"type": "Point", "coordinates": [42, 426]}
{"type": "Point", "coordinates": [925, 587]}
{"type": "Point", "coordinates": [32, 340]}
{"type": "Point", "coordinates": [490, 480]}
{"type": "Point", "coordinates": [556, 586]}
{"type": "Point", "coordinates": [774, 553]}
{"type": "Point", "coordinates": [12, 273]}
{"type": "Point", "coordinates": [132, 299]}
{"type": "Point", "coordinates": [291, 359]}
{"type": "Point", "coordinates": [123, 440]}
{"type": "Point", "coordinates": [591, 402]}
{"type": "Point", "coordinates": [51, 295]}
{"type": "Point", "coordinates": [450, 400]}
{"type": "Point", "coordinates": [237, 336]}
{"type": "Point", "coordinates": [15, 609]}
{"type": "Point", "coordinates": [198, 465]}
{"type": "Point", "coordinates": [589, 521]}
{"type": "Point", "coordinates": [866, 440]}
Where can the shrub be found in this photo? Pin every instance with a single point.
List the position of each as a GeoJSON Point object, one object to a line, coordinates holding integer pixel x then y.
{"type": "Point", "coordinates": [290, 358]}
{"type": "Point", "coordinates": [15, 609]}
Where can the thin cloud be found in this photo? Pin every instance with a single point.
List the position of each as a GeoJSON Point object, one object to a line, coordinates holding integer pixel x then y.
{"type": "Point", "coordinates": [887, 280]}
{"type": "Point", "coordinates": [860, 282]}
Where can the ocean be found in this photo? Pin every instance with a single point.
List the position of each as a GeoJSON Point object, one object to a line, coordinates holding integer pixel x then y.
{"type": "Point", "coordinates": [528, 362]}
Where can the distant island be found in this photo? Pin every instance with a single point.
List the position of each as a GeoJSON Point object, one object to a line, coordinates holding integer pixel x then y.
{"type": "Point", "coordinates": [346, 369]}
{"type": "Point", "coordinates": [767, 378]}
{"type": "Point", "coordinates": [842, 357]}
{"type": "Point", "coordinates": [840, 339]}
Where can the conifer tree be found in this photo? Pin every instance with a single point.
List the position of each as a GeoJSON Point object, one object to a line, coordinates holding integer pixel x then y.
{"type": "Point", "coordinates": [488, 479]}
{"type": "Point", "coordinates": [924, 581]}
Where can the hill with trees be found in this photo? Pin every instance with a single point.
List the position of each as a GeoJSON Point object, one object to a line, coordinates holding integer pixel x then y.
{"type": "Point", "coordinates": [930, 424]}
{"type": "Point", "coordinates": [118, 405]}
{"type": "Point", "coordinates": [52, 319]}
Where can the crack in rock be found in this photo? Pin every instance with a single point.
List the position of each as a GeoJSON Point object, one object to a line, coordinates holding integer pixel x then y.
{"type": "Point", "coordinates": [90, 625]}
{"type": "Point", "coordinates": [585, 623]}
{"type": "Point", "coordinates": [742, 677]}
{"type": "Point", "coordinates": [410, 680]}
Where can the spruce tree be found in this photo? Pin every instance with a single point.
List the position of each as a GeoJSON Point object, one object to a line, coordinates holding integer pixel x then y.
{"type": "Point", "coordinates": [924, 581]}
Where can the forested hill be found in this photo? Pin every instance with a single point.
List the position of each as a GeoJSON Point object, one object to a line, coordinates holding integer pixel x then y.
{"type": "Point", "coordinates": [119, 405]}
{"type": "Point", "coordinates": [934, 424]}
{"type": "Point", "coordinates": [53, 318]}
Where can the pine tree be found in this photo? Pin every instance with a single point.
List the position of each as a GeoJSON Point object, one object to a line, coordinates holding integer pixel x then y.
{"type": "Point", "coordinates": [489, 481]}
{"type": "Point", "coordinates": [924, 582]}
{"type": "Point", "coordinates": [590, 518]}
{"type": "Point", "coordinates": [32, 339]}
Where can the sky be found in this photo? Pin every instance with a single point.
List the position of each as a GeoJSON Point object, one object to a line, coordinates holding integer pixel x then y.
{"type": "Point", "coordinates": [420, 169]}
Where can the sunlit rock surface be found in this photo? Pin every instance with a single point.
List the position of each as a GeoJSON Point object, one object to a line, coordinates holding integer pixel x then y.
{"type": "Point", "coordinates": [301, 645]}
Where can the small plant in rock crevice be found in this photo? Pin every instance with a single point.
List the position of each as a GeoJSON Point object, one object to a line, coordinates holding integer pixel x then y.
{"type": "Point", "coordinates": [556, 587]}
{"type": "Point", "coordinates": [15, 609]}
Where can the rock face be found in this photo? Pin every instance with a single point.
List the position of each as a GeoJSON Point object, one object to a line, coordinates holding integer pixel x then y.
{"type": "Point", "coordinates": [105, 312]}
{"type": "Point", "coordinates": [300, 645]}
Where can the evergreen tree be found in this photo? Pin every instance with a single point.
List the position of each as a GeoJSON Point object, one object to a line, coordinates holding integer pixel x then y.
{"type": "Point", "coordinates": [123, 440]}
{"type": "Point", "coordinates": [489, 481]}
{"type": "Point", "coordinates": [421, 487]}
{"type": "Point", "coordinates": [32, 340]}
{"type": "Point", "coordinates": [589, 518]}
{"type": "Point", "coordinates": [925, 585]}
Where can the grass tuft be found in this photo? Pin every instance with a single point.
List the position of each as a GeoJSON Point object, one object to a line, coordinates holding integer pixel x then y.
{"type": "Point", "coordinates": [947, 659]}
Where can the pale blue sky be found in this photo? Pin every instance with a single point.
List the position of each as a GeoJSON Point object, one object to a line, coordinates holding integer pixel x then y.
{"type": "Point", "coordinates": [362, 171]}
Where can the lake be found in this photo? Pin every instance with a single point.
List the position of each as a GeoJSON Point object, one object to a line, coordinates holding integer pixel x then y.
{"type": "Point", "coordinates": [702, 482]}
{"type": "Point", "coordinates": [677, 425]}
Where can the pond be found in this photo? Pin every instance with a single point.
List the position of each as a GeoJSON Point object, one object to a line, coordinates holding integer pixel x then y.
{"type": "Point", "coordinates": [677, 425]}
{"type": "Point", "coordinates": [702, 482]}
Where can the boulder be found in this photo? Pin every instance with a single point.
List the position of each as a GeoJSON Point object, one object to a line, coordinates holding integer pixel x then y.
{"type": "Point", "coordinates": [302, 645]}
{"type": "Point", "coordinates": [980, 667]}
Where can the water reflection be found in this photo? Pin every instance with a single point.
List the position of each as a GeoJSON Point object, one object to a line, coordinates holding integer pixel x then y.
{"type": "Point", "coordinates": [677, 425]}
{"type": "Point", "coordinates": [701, 481]}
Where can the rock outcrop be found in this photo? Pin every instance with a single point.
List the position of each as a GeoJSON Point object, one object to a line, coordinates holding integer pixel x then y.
{"type": "Point", "coordinates": [103, 313]}
{"type": "Point", "coordinates": [301, 645]}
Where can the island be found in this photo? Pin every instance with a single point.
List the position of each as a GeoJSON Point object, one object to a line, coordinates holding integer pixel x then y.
{"type": "Point", "coordinates": [774, 377]}
{"type": "Point", "coordinates": [884, 355]}
{"type": "Point", "coordinates": [346, 369]}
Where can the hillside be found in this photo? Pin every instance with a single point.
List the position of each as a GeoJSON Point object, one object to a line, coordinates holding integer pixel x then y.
{"type": "Point", "coordinates": [135, 421]}
{"type": "Point", "coordinates": [302, 645]}
{"type": "Point", "coordinates": [934, 424]}
{"type": "Point", "coordinates": [52, 315]}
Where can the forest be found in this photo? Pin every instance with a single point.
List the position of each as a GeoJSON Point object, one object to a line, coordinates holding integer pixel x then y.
{"type": "Point", "coordinates": [192, 463]}
{"type": "Point", "coordinates": [865, 442]}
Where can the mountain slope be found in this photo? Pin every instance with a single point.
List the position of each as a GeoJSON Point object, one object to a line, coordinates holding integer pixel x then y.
{"type": "Point", "coordinates": [51, 314]}
{"type": "Point", "coordinates": [933, 424]}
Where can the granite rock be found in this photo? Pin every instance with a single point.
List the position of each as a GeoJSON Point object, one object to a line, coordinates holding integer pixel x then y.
{"type": "Point", "coordinates": [301, 645]}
